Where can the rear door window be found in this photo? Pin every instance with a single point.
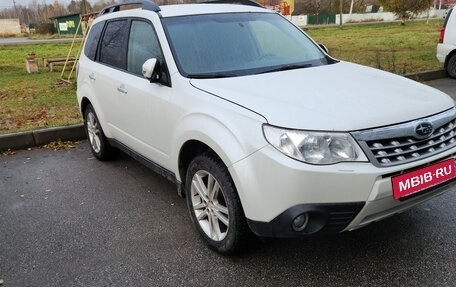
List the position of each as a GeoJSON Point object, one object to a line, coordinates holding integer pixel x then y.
{"type": "Point", "coordinates": [114, 43]}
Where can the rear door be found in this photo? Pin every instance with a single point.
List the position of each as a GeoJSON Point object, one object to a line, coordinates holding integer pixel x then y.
{"type": "Point", "coordinates": [107, 71]}
{"type": "Point", "coordinates": [133, 111]}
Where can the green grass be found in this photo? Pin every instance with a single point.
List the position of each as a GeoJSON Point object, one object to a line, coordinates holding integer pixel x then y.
{"type": "Point", "coordinates": [38, 100]}
{"type": "Point", "coordinates": [397, 48]}
{"type": "Point", "coordinates": [31, 101]}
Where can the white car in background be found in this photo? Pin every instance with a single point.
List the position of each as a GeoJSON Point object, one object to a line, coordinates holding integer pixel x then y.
{"type": "Point", "coordinates": [446, 48]}
{"type": "Point", "coordinates": [259, 128]}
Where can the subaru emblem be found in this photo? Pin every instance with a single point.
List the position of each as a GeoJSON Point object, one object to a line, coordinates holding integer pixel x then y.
{"type": "Point", "coordinates": [424, 130]}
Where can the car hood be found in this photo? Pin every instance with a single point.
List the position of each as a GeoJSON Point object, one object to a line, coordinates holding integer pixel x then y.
{"type": "Point", "coordinates": [338, 97]}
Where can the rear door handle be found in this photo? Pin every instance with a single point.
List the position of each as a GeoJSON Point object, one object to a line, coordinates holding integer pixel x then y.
{"type": "Point", "coordinates": [122, 89]}
{"type": "Point", "coordinates": [92, 76]}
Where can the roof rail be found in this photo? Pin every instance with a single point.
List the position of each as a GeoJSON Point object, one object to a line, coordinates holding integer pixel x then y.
{"type": "Point", "coordinates": [242, 2]}
{"type": "Point", "coordinates": [145, 4]}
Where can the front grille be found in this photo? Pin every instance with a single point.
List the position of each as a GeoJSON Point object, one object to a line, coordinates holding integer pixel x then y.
{"type": "Point", "coordinates": [398, 150]}
{"type": "Point", "coordinates": [399, 144]}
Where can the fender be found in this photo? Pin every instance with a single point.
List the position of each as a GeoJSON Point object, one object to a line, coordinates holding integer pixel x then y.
{"type": "Point", "coordinates": [89, 94]}
{"type": "Point", "coordinates": [221, 130]}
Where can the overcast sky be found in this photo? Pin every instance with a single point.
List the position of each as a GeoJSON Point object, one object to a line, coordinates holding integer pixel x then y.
{"type": "Point", "coordinates": [9, 3]}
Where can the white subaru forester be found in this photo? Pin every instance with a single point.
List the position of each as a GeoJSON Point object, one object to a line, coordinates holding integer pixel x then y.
{"type": "Point", "coordinates": [261, 130]}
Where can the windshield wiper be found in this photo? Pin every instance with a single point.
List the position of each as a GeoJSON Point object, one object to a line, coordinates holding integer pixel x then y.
{"type": "Point", "coordinates": [211, 76]}
{"type": "Point", "coordinates": [287, 67]}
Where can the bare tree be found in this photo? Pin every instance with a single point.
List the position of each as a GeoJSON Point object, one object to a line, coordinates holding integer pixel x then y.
{"type": "Point", "coordinates": [78, 7]}
{"type": "Point", "coordinates": [41, 12]}
{"type": "Point", "coordinates": [310, 7]}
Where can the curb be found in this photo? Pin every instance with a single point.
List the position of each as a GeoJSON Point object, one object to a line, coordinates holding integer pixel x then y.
{"type": "Point", "coordinates": [427, 76]}
{"type": "Point", "coordinates": [24, 140]}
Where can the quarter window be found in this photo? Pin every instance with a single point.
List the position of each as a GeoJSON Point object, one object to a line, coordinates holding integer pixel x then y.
{"type": "Point", "coordinates": [90, 49]}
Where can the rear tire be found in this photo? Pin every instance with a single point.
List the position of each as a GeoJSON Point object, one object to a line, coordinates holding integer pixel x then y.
{"type": "Point", "coordinates": [451, 66]}
{"type": "Point", "coordinates": [99, 145]}
{"type": "Point", "coordinates": [214, 205]}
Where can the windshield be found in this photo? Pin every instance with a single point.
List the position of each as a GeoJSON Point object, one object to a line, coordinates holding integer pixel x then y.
{"type": "Point", "coordinates": [236, 44]}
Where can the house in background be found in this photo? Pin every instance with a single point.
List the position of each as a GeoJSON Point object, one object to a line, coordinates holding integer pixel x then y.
{"type": "Point", "coordinates": [10, 27]}
{"type": "Point", "coordinates": [67, 25]}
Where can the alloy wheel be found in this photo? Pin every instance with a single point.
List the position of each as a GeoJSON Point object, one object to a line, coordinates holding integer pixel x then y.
{"type": "Point", "coordinates": [209, 205]}
{"type": "Point", "coordinates": [93, 132]}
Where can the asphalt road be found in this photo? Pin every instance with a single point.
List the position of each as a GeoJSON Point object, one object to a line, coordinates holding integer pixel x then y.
{"type": "Point", "coordinates": [67, 219]}
{"type": "Point", "coordinates": [446, 85]}
{"type": "Point", "coordinates": [25, 40]}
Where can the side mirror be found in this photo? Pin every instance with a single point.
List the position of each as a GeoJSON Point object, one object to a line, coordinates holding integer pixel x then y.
{"type": "Point", "coordinates": [323, 47]}
{"type": "Point", "coordinates": [148, 68]}
{"type": "Point", "coordinates": [155, 72]}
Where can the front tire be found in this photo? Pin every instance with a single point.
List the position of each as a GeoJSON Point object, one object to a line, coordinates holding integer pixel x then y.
{"type": "Point", "coordinates": [99, 145]}
{"type": "Point", "coordinates": [451, 66]}
{"type": "Point", "coordinates": [214, 205]}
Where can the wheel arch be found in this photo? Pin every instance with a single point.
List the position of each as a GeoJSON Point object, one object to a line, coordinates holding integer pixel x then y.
{"type": "Point", "coordinates": [448, 57]}
{"type": "Point", "coordinates": [228, 141]}
{"type": "Point", "coordinates": [190, 150]}
{"type": "Point", "coordinates": [84, 103]}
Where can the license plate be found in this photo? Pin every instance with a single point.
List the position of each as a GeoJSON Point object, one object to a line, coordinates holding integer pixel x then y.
{"type": "Point", "coordinates": [413, 182]}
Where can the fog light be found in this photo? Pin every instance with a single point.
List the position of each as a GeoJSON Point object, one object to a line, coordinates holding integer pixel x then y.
{"type": "Point", "coordinates": [300, 222]}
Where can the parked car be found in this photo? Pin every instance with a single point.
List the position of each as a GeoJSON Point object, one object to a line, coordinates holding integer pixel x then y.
{"type": "Point", "coordinates": [446, 48]}
{"type": "Point", "coordinates": [260, 129]}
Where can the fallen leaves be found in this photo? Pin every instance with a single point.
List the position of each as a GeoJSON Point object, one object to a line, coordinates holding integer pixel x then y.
{"type": "Point", "coordinates": [9, 124]}
{"type": "Point", "coordinates": [35, 102]}
{"type": "Point", "coordinates": [58, 145]}
{"type": "Point", "coordinates": [8, 152]}
{"type": "Point", "coordinates": [40, 115]}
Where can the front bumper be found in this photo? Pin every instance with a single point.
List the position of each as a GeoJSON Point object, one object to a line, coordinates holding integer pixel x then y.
{"type": "Point", "coordinates": [275, 189]}
{"type": "Point", "coordinates": [323, 219]}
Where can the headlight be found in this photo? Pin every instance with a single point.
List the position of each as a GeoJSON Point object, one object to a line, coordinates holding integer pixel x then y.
{"type": "Point", "coordinates": [314, 147]}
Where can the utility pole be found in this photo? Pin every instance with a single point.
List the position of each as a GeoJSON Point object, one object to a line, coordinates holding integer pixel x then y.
{"type": "Point", "coordinates": [340, 8]}
{"type": "Point", "coordinates": [15, 9]}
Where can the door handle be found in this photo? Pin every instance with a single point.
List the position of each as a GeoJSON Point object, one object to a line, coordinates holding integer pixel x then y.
{"type": "Point", "coordinates": [122, 89]}
{"type": "Point", "coordinates": [92, 76]}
